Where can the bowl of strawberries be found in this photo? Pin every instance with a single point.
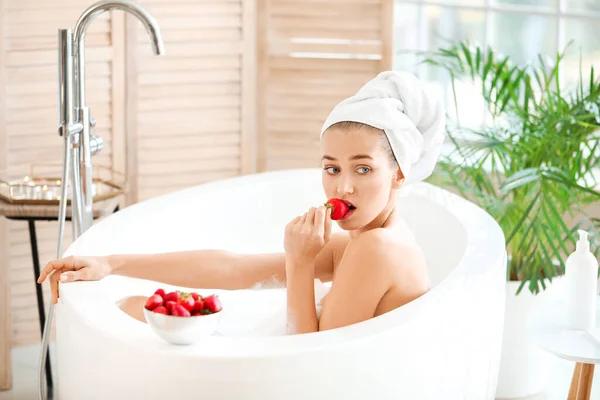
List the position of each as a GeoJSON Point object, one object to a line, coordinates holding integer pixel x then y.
{"type": "Point", "coordinates": [182, 317]}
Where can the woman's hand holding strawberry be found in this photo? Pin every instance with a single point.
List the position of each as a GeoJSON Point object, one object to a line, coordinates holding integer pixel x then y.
{"type": "Point", "coordinates": [306, 235]}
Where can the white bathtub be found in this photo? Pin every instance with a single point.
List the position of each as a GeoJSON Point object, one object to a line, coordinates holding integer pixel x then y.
{"type": "Point", "coordinates": [445, 345]}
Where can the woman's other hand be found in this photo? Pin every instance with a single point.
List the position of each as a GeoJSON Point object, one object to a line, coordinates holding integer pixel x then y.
{"type": "Point", "coordinates": [306, 235]}
{"type": "Point", "coordinates": [71, 269]}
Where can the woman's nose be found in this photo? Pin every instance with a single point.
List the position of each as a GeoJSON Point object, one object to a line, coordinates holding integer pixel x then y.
{"type": "Point", "coordinates": [345, 186]}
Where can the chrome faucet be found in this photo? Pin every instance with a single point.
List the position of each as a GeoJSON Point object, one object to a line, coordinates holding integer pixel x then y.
{"type": "Point", "coordinates": [75, 125]}
{"type": "Point", "coordinates": [74, 115]}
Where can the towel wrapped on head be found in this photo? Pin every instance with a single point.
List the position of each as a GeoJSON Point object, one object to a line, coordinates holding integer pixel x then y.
{"type": "Point", "coordinates": [412, 118]}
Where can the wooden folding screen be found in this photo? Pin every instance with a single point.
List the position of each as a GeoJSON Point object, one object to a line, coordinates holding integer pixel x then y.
{"type": "Point", "coordinates": [311, 55]}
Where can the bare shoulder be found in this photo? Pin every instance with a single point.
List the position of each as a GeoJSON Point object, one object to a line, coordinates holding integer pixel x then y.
{"type": "Point", "coordinates": [373, 252]}
{"type": "Point", "coordinates": [401, 259]}
{"type": "Point", "coordinates": [385, 246]}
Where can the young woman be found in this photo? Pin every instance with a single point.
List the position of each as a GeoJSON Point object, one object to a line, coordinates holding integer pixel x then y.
{"type": "Point", "coordinates": [372, 144]}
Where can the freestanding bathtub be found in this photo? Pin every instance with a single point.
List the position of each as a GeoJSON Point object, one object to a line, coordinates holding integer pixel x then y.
{"type": "Point", "coordinates": [443, 346]}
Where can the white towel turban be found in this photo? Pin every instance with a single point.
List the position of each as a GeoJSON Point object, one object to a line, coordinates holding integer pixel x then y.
{"type": "Point", "coordinates": [412, 118]}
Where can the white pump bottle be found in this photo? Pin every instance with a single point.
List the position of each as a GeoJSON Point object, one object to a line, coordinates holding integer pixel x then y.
{"type": "Point", "coordinates": [581, 278]}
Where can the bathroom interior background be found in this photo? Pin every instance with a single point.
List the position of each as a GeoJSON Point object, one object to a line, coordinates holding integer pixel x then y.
{"type": "Point", "coordinates": [244, 88]}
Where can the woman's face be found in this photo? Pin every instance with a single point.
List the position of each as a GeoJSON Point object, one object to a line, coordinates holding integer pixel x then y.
{"type": "Point", "coordinates": [358, 170]}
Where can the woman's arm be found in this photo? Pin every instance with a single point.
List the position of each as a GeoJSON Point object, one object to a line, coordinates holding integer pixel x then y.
{"type": "Point", "coordinates": [305, 238]}
{"type": "Point", "coordinates": [218, 269]}
{"type": "Point", "coordinates": [210, 269]}
{"type": "Point", "coordinates": [195, 268]}
{"type": "Point", "coordinates": [301, 307]}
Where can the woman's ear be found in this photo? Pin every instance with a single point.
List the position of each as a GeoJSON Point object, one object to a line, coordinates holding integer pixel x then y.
{"type": "Point", "coordinates": [398, 179]}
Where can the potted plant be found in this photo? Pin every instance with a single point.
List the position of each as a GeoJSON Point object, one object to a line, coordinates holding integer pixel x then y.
{"type": "Point", "coordinates": [531, 166]}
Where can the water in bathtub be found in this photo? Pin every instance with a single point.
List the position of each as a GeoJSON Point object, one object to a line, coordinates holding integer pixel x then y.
{"type": "Point", "coordinates": [262, 311]}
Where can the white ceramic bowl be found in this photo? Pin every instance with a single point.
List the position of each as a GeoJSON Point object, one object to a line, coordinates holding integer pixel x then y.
{"type": "Point", "coordinates": [182, 330]}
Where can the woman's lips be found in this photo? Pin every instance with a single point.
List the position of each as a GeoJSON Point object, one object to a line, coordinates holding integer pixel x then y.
{"type": "Point", "coordinates": [351, 207]}
{"type": "Point", "coordinates": [348, 214]}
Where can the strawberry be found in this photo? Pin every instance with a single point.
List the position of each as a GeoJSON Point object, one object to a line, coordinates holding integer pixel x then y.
{"type": "Point", "coordinates": [212, 303]}
{"type": "Point", "coordinates": [161, 310]}
{"type": "Point", "coordinates": [195, 296]}
{"type": "Point", "coordinates": [339, 208]}
{"type": "Point", "coordinates": [170, 304]}
{"type": "Point", "coordinates": [161, 292]}
{"type": "Point", "coordinates": [187, 301]}
{"type": "Point", "coordinates": [172, 296]}
{"type": "Point", "coordinates": [199, 305]}
{"type": "Point", "coordinates": [154, 301]}
{"type": "Point", "coordinates": [180, 311]}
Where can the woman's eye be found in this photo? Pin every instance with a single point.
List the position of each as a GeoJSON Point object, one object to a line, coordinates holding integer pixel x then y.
{"type": "Point", "coordinates": [364, 170]}
{"type": "Point", "coordinates": [332, 170]}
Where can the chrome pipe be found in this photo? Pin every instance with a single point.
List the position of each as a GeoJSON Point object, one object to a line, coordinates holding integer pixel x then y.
{"type": "Point", "coordinates": [65, 79]}
{"type": "Point", "coordinates": [84, 173]}
{"type": "Point", "coordinates": [62, 208]}
{"type": "Point", "coordinates": [76, 194]}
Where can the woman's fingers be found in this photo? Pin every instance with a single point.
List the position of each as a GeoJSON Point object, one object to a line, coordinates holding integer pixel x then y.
{"type": "Point", "coordinates": [63, 270]}
{"type": "Point", "coordinates": [72, 276]}
{"type": "Point", "coordinates": [302, 219]}
{"type": "Point", "coordinates": [63, 275]}
{"type": "Point", "coordinates": [54, 285]}
{"type": "Point", "coordinates": [310, 216]}
{"type": "Point", "coordinates": [320, 220]}
{"type": "Point", "coordinates": [328, 222]}
{"type": "Point", "coordinates": [64, 263]}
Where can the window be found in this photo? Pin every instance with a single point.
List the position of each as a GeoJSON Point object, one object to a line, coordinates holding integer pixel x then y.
{"type": "Point", "coordinates": [518, 28]}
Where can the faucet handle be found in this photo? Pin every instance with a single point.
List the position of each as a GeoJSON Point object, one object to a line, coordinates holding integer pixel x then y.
{"type": "Point", "coordinates": [96, 144]}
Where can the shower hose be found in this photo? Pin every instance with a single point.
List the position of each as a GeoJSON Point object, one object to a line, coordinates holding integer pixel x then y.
{"type": "Point", "coordinates": [70, 158]}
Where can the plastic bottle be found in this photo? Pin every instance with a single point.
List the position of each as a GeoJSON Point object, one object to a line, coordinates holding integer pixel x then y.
{"type": "Point", "coordinates": [581, 278]}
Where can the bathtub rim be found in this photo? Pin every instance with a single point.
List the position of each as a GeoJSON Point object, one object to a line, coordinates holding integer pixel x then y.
{"type": "Point", "coordinates": [476, 253]}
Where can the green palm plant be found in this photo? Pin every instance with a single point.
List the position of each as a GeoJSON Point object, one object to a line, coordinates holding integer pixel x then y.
{"type": "Point", "coordinates": [532, 167]}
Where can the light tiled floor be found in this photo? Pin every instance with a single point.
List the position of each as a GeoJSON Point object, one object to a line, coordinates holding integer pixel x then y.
{"type": "Point", "coordinates": [25, 373]}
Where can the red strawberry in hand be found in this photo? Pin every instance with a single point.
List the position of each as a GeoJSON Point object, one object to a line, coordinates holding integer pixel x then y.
{"type": "Point", "coordinates": [154, 301]}
{"type": "Point", "coordinates": [340, 208]}
{"type": "Point", "coordinates": [213, 303]}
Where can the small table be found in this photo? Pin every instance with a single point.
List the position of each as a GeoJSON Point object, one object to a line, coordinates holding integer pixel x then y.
{"type": "Point", "coordinates": [32, 213]}
{"type": "Point", "coordinates": [582, 347]}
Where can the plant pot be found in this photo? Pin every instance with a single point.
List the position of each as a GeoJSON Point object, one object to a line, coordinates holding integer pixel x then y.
{"type": "Point", "coordinates": [525, 368]}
